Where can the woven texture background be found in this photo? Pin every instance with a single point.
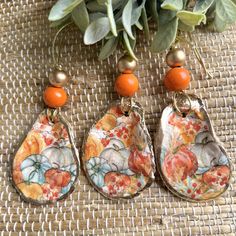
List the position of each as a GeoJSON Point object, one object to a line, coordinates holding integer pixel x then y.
{"type": "Point", "coordinates": [25, 60]}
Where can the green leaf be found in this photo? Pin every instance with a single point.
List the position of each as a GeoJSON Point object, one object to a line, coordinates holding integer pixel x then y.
{"type": "Point", "coordinates": [225, 14]}
{"type": "Point", "coordinates": [128, 45]}
{"type": "Point", "coordinates": [58, 11]}
{"type": "Point", "coordinates": [137, 11]}
{"type": "Point", "coordinates": [111, 17]}
{"type": "Point", "coordinates": [73, 5]}
{"type": "Point", "coordinates": [202, 5]}
{"type": "Point", "coordinates": [80, 16]}
{"type": "Point", "coordinates": [191, 18]}
{"type": "Point", "coordinates": [166, 16]}
{"type": "Point", "coordinates": [95, 16]}
{"type": "Point", "coordinates": [226, 10]}
{"type": "Point", "coordinates": [93, 6]}
{"type": "Point", "coordinates": [165, 36]}
{"type": "Point", "coordinates": [218, 24]}
{"type": "Point", "coordinates": [138, 25]}
{"type": "Point", "coordinates": [61, 22]}
{"type": "Point", "coordinates": [185, 2]}
{"type": "Point", "coordinates": [109, 47]}
{"type": "Point", "coordinates": [145, 23]}
{"type": "Point", "coordinates": [184, 27]}
{"type": "Point", "coordinates": [133, 41]}
{"type": "Point", "coordinates": [127, 17]}
{"type": "Point", "coordinates": [173, 5]}
{"type": "Point", "coordinates": [119, 27]}
{"type": "Point", "coordinates": [97, 30]}
{"type": "Point", "coordinates": [152, 7]}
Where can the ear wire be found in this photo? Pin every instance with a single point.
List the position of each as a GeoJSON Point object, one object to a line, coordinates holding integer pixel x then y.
{"type": "Point", "coordinates": [56, 59]}
{"type": "Point", "coordinates": [197, 54]}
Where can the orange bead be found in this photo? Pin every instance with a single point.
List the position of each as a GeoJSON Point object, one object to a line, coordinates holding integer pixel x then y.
{"type": "Point", "coordinates": [54, 97]}
{"type": "Point", "coordinates": [126, 85]}
{"type": "Point", "coordinates": [177, 79]}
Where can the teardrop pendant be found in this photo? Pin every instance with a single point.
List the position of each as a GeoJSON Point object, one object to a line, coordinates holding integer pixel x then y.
{"type": "Point", "coordinates": [192, 162]}
{"type": "Point", "coordinates": [118, 158]}
{"type": "Point", "coordinates": [46, 166]}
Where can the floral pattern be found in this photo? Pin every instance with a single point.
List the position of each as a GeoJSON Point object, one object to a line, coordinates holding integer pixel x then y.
{"type": "Point", "coordinates": [192, 163]}
{"type": "Point", "coordinates": [44, 168]}
{"type": "Point", "coordinates": [118, 159]}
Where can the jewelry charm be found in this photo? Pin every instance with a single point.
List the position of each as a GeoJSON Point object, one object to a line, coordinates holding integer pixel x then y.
{"type": "Point", "coordinates": [191, 161]}
{"type": "Point", "coordinates": [118, 158]}
{"type": "Point", "coordinates": [45, 167]}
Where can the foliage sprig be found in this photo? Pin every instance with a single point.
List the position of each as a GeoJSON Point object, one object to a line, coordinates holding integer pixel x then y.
{"type": "Point", "coordinates": [115, 22]}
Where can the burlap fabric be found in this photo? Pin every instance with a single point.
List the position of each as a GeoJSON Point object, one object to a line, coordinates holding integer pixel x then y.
{"type": "Point", "coordinates": [25, 62]}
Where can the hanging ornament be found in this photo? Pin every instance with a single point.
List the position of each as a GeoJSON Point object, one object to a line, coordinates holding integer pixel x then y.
{"type": "Point", "coordinates": [45, 167]}
{"type": "Point", "coordinates": [191, 161]}
{"type": "Point", "coordinates": [118, 158]}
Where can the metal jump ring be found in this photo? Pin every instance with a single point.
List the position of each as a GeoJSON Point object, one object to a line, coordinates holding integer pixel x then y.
{"type": "Point", "coordinates": [126, 105]}
{"type": "Point", "coordinates": [51, 114]}
{"type": "Point", "coordinates": [175, 102]}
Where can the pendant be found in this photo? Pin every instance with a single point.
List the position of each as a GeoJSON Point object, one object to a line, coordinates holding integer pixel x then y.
{"type": "Point", "coordinates": [45, 167]}
{"type": "Point", "coordinates": [118, 158]}
{"type": "Point", "coordinates": [191, 161]}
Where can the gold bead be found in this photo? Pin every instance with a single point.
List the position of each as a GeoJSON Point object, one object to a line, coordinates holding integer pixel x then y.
{"type": "Point", "coordinates": [58, 78]}
{"type": "Point", "coordinates": [175, 57]}
{"type": "Point", "coordinates": [126, 64]}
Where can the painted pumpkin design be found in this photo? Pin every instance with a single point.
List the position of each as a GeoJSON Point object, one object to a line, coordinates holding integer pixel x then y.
{"type": "Point", "coordinates": [209, 152]}
{"type": "Point", "coordinates": [57, 177]}
{"type": "Point", "coordinates": [140, 163]}
{"type": "Point", "coordinates": [97, 169]}
{"type": "Point", "coordinates": [180, 164]}
{"type": "Point", "coordinates": [116, 155]}
{"type": "Point", "coordinates": [32, 144]}
{"type": "Point", "coordinates": [31, 190]}
{"type": "Point", "coordinates": [59, 155]}
{"type": "Point", "coordinates": [34, 167]}
{"type": "Point", "coordinates": [116, 182]}
{"type": "Point", "coordinates": [122, 165]}
{"type": "Point", "coordinates": [93, 147]}
{"type": "Point", "coordinates": [217, 177]}
{"type": "Point", "coordinates": [192, 163]}
{"type": "Point", "coordinates": [45, 167]}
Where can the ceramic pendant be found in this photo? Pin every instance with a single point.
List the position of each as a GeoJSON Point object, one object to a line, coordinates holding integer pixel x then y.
{"type": "Point", "coordinates": [45, 167]}
{"type": "Point", "coordinates": [192, 162]}
{"type": "Point", "coordinates": [118, 157]}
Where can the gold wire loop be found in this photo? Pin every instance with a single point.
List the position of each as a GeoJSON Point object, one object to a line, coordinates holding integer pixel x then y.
{"type": "Point", "coordinates": [197, 54]}
{"type": "Point", "coordinates": [180, 97]}
{"type": "Point", "coordinates": [56, 60]}
{"type": "Point", "coordinates": [126, 105]}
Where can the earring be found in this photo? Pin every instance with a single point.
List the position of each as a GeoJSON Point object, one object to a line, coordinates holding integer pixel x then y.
{"type": "Point", "coordinates": [117, 155]}
{"type": "Point", "coordinates": [191, 161]}
{"type": "Point", "coordinates": [45, 167]}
